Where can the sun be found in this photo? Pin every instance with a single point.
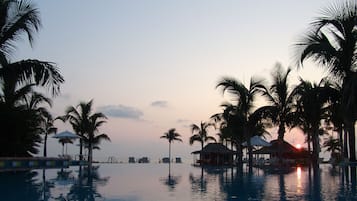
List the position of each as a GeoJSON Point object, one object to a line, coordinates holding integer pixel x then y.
{"type": "Point", "coordinates": [298, 146]}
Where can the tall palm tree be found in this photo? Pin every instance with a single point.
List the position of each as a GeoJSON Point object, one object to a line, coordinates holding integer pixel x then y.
{"type": "Point", "coordinates": [332, 42]}
{"type": "Point", "coordinates": [171, 136]}
{"type": "Point", "coordinates": [230, 127]}
{"type": "Point", "coordinates": [280, 99]}
{"type": "Point", "coordinates": [78, 117]}
{"type": "Point", "coordinates": [313, 102]}
{"type": "Point", "coordinates": [248, 120]}
{"type": "Point", "coordinates": [92, 137]}
{"type": "Point", "coordinates": [86, 125]}
{"type": "Point", "coordinates": [17, 79]}
{"type": "Point", "coordinates": [47, 129]}
{"type": "Point", "coordinates": [200, 133]}
{"type": "Point", "coordinates": [46, 122]}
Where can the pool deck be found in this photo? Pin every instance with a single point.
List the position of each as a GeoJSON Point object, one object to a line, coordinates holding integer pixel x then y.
{"type": "Point", "coordinates": [27, 163]}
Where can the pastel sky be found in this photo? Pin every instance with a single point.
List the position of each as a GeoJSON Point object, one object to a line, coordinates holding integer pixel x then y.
{"type": "Point", "coordinates": [153, 65]}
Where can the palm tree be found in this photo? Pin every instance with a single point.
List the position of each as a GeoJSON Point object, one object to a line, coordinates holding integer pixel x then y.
{"type": "Point", "coordinates": [85, 123]}
{"type": "Point", "coordinates": [17, 79]}
{"type": "Point", "coordinates": [248, 122]}
{"type": "Point", "coordinates": [171, 136]}
{"type": "Point", "coordinates": [46, 121]}
{"type": "Point", "coordinates": [280, 98]}
{"type": "Point", "coordinates": [95, 121]}
{"type": "Point", "coordinates": [19, 17]}
{"type": "Point", "coordinates": [231, 128]}
{"type": "Point", "coordinates": [313, 102]}
{"type": "Point", "coordinates": [332, 42]}
{"type": "Point", "coordinates": [78, 117]}
{"type": "Point", "coordinates": [47, 129]}
{"type": "Point", "coordinates": [200, 134]}
{"type": "Point", "coordinates": [16, 18]}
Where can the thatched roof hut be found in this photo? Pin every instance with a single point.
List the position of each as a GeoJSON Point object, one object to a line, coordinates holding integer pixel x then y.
{"type": "Point", "coordinates": [215, 154]}
{"type": "Point", "coordinates": [287, 150]}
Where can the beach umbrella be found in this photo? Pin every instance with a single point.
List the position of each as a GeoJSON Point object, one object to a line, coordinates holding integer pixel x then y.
{"type": "Point", "coordinates": [257, 141]}
{"type": "Point", "coordinates": [65, 137]}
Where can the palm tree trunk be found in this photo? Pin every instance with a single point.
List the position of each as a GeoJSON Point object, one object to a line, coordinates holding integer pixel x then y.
{"type": "Point", "coordinates": [345, 143]}
{"type": "Point", "coordinates": [281, 131]}
{"type": "Point", "coordinates": [80, 149]}
{"type": "Point", "coordinates": [315, 148]}
{"type": "Point", "coordinates": [45, 146]}
{"type": "Point", "coordinates": [340, 138]}
{"type": "Point", "coordinates": [90, 157]}
{"type": "Point", "coordinates": [352, 141]}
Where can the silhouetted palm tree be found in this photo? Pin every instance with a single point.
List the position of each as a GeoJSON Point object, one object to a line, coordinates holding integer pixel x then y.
{"type": "Point", "coordinates": [231, 128]}
{"type": "Point", "coordinates": [247, 121]}
{"type": "Point", "coordinates": [171, 136]}
{"type": "Point", "coordinates": [35, 102]}
{"type": "Point", "coordinates": [16, 18]}
{"type": "Point", "coordinates": [78, 117]}
{"type": "Point", "coordinates": [93, 138]}
{"type": "Point", "coordinates": [312, 106]}
{"type": "Point", "coordinates": [199, 133]}
{"type": "Point", "coordinates": [20, 127]}
{"type": "Point", "coordinates": [86, 123]}
{"type": "Point", "coordinates": [280, 99]}
{"type": "Point", "coordinates": [332, 42]}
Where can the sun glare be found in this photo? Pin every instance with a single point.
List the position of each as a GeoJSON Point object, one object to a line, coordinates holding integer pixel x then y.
{"type": "Point", "coordinates": [298, 146]}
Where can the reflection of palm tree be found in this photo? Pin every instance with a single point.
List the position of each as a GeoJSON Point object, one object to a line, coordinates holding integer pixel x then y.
{"type": "Point", "coordinates": [85, 186]}
{"type": "Point", "coordinates": [198, 183]}
{"type": "Point", "coordinates": [20, 185]}
{"type": "Point", "coordinates": [331, 41]}
{"type": "Point", "coordinates": [171, 181]}
{"type": "Point", "coordinates": [46, 186]}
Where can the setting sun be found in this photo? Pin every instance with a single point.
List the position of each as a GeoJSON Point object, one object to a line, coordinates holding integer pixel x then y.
{"type": "Point", "coordinates": [298, 146]}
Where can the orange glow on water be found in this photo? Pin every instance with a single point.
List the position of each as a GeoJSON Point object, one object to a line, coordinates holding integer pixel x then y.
{"type": "Point", "coordinates": [299, 185]}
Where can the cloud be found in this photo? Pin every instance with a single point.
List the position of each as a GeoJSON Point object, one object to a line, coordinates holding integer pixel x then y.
{"type": "Point", "coordinates": [159, 103]}
{"type": "Point", "coordinates": [183, 121]}
{"type": "Point", "coordinates": [121, 111]}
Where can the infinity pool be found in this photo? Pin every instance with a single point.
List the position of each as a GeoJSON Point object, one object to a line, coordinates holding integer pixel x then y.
{"type": "Point", "coordinates": [152, 182]}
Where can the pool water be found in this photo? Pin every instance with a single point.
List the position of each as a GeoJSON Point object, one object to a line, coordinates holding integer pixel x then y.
{"type": "Point", "coordinates": [153, 182]}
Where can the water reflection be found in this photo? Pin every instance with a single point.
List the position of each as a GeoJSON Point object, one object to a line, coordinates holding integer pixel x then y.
{"type": "Point", "coordinates": [171, 181]}
{"type": "Point", "coordinates": [188, 183]}
{"type": "Point", "coordinates": [232, 184]}
{"type": "Point", "coordinates": [20, 186]}
{"type": "Point", "coordinates": [85, 186]}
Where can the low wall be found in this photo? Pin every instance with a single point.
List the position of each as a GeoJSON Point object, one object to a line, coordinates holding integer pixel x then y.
{"type": "Point", "coordinates": [14, 163]}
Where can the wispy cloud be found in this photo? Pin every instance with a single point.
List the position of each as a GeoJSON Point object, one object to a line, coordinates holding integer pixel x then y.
{"type": "Point", "coordinates": [121, 111]}
{"type": "Point", "coordinates": [183, 121]}
{"type": "Point", "coordinates": [159, 103]}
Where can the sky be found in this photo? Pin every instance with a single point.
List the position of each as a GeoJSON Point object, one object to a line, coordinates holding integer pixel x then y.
{"type": "Point", "coordinates": [153, 65]}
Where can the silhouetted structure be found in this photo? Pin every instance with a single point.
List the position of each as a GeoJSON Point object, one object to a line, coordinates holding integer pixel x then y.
{"type": "Point", "coordinates": [289, 154]}
{"type": "Point", "coordinates": [215, 154]}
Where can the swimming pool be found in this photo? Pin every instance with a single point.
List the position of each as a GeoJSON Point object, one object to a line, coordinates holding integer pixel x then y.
{"type": "Point", "coordinates": [152, 182]}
